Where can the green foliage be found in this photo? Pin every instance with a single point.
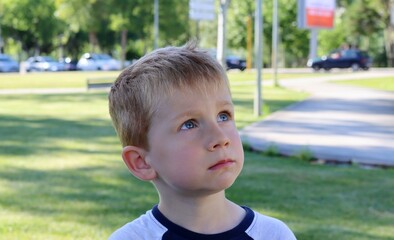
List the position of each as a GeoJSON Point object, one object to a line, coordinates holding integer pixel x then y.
{"type": "Point", "coordinates": [304, 154]}
{"type": "Point", "coordinates": [361, 23]}
{"type": "Point", "coordinates": [246, 146]}
{"type": "Point", "coordinates": [272, 150]}
{"type": "Point", "coordinates": [32, 23]}
{"type": "Point", "coordinates": [43, 26]}
{"type": "Point", "coordinates": [336, 36]}
{"type": "Point", "coordinates": [169, 34]}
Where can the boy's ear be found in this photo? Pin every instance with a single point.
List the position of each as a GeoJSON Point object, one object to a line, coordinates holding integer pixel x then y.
{"type": "Point", "coordinates": [134, 158]}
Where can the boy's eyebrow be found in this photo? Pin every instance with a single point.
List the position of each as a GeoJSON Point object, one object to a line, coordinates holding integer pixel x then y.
{"type": "Point", "coordinates": [225, 103]}
{"type": "Point", "coordinates": [193, 112]}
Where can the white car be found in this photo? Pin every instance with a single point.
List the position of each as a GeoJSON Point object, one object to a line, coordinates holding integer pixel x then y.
{"type": "Point", "coordinates": [7, 64]}
{"type": "Point", "coordinates": [94, 61]}
{"type": "Point", "coordinates": [43, 64]}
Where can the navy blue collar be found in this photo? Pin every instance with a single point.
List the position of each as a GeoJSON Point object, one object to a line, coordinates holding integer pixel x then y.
{"type": "Point", "coordinates": [177, 232]}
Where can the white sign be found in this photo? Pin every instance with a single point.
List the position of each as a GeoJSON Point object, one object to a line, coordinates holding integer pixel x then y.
{"type": "Point", "coordinates": [202, 9]}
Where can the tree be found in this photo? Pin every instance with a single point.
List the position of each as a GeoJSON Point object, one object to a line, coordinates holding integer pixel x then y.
{"type": "Point", "coordinates": [90, 16]}
{"type": "Point", "coordinates": [32, 23]}
{"type": "Point", "coordinates": [361, 23]}
{"type": "Point", "coordinates": [174, 22]}
{"type": "Point", "coordinates": [293, 39]}
{"type": "Point", "coordinates": [384, 11]}
{"type": "Point", "coordinates": [128, 18]}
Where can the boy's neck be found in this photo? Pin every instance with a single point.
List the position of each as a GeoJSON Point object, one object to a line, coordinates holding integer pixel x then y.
{"type": "Point", "coordinates": [208, 215]}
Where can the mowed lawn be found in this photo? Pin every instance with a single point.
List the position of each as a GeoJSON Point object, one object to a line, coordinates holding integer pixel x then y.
{"type": "Point", "coordinates": [37, 80]}
{"type": "Point", "coordinates": [62, 177]}
{"type": "Point", "coordinates": [385, 83]}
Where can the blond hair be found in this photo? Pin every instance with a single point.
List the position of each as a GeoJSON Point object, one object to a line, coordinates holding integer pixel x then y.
{"type": "Point", "coordinates": [136, 93]}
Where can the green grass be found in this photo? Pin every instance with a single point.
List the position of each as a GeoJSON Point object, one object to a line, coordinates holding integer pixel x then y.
{"type": "Point", "coordinates": [78, 79]}
{"type": "Point", "coordinates": [51, 79]}
{"type": "Point", "coordinates": [62, 177]}
{"type": "Point", "coordinates": [386, 83]}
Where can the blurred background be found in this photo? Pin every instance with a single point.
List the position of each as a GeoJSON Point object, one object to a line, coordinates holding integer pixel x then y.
{"type": "Point", "coordinates": [67, 31]}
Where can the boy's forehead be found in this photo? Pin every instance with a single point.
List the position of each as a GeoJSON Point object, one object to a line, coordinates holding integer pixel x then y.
{"type": "Point", "coordinates": [203, 87]}
{"type": "Point", "coordinates": [190, 100]}
{"type": "Point", "coordinates": [213, 92]}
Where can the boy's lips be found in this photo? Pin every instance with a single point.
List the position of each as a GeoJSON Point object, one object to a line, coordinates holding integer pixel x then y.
{"type": "Point", "coordinates": [221, 163]}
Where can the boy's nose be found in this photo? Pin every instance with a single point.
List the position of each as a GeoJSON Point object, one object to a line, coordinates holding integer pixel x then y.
{"type": "Point", "coordinates": [217, 139]}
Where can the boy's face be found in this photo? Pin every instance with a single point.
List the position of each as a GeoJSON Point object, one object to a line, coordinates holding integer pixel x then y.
{"type": "Point", "coordinates": [194, 144]}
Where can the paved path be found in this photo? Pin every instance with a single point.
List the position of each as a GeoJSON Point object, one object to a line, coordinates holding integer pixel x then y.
{"type": "Point", "coordinates": [338, 123]}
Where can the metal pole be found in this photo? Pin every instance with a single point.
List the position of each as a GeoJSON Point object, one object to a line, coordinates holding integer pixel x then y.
{"type": "Point", "coordinates": [156, 24]}
{"type": "Point", "coordinates": [221, 43]}
{"type": "Point", "coordinates": [275, 42]}
{"type": "Point", "coordinates": [313, 44]}
{"type": "Point", "coordinates": [258, 56]}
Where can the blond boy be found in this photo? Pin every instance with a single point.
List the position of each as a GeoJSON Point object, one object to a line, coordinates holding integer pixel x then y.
{"type": "Point", "coordinates": [174, 115]}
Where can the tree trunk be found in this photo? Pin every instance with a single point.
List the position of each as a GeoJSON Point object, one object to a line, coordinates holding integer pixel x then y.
{"type": "Point", "coordinates": [389, 35]}
{"type": "Point", "coordinates": [389, 44]}
{"type": "Point", "coordinates": [93, 41]}
{"type": "Point", "coordinates": [123, 46]}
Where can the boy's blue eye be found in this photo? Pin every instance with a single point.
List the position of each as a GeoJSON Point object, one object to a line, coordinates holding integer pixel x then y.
{"type": "Point", "coordinates": [222, 117]}
{"type": "Point", "coordinates": [188, 125]}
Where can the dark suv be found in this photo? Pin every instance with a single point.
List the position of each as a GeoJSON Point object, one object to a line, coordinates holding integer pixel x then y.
{"type": "Point", "coordinates": [235, 62]}
{"type": "Point", "coordinates": [342, 58]}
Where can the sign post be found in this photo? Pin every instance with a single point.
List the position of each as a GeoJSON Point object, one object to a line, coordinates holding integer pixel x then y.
{"type": "Point", "coordinates": [315, 15]}
{"type": "Point", "coordinates": [201, 10]}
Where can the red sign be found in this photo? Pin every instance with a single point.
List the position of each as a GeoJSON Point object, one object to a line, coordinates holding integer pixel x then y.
{"type": "Point", "coordinates": [315, 14]}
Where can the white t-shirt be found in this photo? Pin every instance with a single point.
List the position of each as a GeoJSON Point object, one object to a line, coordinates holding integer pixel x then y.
{"type": "Point", "coordinates": [153, 225]}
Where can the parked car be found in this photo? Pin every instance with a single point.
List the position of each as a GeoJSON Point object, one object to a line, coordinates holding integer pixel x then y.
{"type": "Point", "coordinates": [94, 61]}
{"type": "Point", "coordinates": [235, 62]}
{"type": "Point", "coordinates": [7, 64]}
{"type": "Point", "coordinates": [43, 63]}
{"type": "Point", "coordinates": [69, 64]}
{"type": "Point", "coordinates": [342, 58]}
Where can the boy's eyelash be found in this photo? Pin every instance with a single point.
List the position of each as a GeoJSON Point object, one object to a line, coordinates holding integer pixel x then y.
{"type": "Point", "coordinates": [229, 113]}
{"type": "Point", "coordinates": [190, 121]}
{"type": "Point", "coordinates": [195, 124]}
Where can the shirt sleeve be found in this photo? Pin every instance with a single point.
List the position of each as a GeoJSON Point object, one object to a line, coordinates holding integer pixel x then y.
{"type": "Point", "coordinates": [142, 228]}
{"type": "Point", "coordinates": [264, 227]}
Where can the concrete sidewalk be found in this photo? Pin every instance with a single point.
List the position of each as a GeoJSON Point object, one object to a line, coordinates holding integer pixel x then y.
{"type": "Point", "coordinates": [338, 123]}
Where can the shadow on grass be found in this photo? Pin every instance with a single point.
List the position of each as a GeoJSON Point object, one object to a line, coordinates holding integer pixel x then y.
{"type": "Point", "coordinates": [324, 201]}
{"type": "Point", "coordinates": [40, 134]}
{"type": "Point", "coordinates": [65, 169]}
{"type": "Point", "coordinates": [97, 196]}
